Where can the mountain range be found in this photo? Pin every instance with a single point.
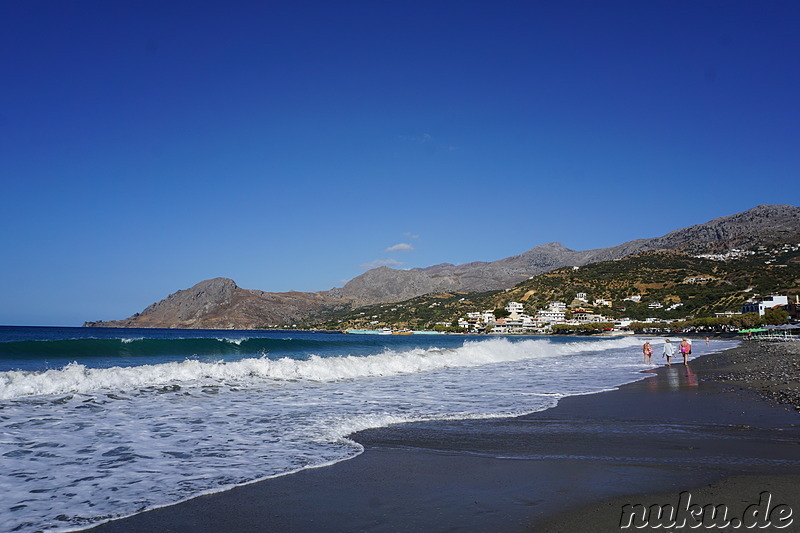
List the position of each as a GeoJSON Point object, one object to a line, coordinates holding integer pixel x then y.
{"type": "Point", "coordinates": [220, 303]}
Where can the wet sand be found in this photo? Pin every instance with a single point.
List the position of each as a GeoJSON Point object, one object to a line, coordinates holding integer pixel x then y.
{"type": "Point", "coordinates": [570, 468]}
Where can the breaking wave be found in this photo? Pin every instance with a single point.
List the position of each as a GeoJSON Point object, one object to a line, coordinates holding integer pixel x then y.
{"type": "Point", "coordinates": [78, 378]}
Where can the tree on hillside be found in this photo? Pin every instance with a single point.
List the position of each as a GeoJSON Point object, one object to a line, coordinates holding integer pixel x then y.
{"type": "Point", "coordinates": [501, 313]}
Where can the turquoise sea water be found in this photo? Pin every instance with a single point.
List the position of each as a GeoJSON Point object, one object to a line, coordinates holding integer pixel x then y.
{"type": "Point", "coordinates": [40, 348]}
{"type": "Point", "coordinates": [102, 423]}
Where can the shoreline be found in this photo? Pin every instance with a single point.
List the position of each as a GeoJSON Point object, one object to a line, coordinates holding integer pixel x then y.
{"type": "Point", "coordinates": [681, 429]}
{"type": "Point", "coordinates": [756, 369]}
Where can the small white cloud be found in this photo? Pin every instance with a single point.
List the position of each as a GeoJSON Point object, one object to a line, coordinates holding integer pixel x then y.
{"type": "Point", "coordinates": [401, 247]}
{"type": "Point", "coordinates": [382, 262]}
{"type": "Point", "coordinates": [411, 235]}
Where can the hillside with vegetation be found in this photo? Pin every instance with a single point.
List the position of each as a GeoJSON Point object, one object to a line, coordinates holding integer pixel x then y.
{"type": "Point", "coordinates": [667, 285]}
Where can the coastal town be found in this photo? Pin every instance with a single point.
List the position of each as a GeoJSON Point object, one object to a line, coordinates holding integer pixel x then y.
{"type": "Point", "coordinates": [512, 319]}
{"type": "Point", "coordinates": [581, 315]}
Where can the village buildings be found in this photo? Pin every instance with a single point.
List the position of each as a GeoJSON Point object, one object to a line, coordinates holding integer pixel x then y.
{"type": "Point", "coordinates": [518, 321]}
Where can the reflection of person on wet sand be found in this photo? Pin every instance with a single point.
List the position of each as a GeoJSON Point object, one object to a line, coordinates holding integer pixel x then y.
{"type": "Point", "coordinates": [691, 379]}
{"type": "Point", "coordinates": [669, 351]}
{"type": "Point", "coordinates": [647, 350]}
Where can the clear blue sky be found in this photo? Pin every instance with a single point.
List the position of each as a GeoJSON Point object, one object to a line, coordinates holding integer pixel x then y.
{"type": "Point", "coordinates": [146, 146]}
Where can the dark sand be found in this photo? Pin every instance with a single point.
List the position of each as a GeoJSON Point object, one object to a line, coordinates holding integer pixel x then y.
{"type": "Point", "coordinates": [570, 468]}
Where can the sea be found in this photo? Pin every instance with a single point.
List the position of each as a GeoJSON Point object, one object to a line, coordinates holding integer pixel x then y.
{"type": "Point", "coordinates": [101, 423]}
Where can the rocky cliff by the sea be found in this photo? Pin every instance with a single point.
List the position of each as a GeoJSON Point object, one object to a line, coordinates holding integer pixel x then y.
{"type": "Point", "coordinates": [220, 304]}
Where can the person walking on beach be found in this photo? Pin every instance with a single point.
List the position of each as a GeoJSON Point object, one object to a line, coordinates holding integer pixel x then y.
{"type": "Point", "coordinates": [669, 351]}
{"type": "Point", "coordinates": [708, 341]}
{"type": "Point", "coordinates": [686, 349]}
{"type": "Point", "coordinates": [647, 350]}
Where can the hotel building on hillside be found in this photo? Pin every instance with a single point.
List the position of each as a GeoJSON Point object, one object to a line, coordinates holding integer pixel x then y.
{"type": "Point", "coordinates": [762, 304]}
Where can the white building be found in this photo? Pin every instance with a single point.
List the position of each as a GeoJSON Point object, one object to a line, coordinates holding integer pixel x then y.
{"type": "Point", "coordinates": [499, 329]}
{"type": "Point", "coordinates": [555, 312]}
{"type": "Point", "coordinates": [515, 309]}
{"type": "Point", "coordinates": [697, 280]}
{"type": "Point", "coordinates": [602, 301]}
{"type": "Point", "coordinates": [550, 315]}
{"type": "Point", "coordinates": [763, 304]}
{"type": "Point", "coordinates": [585, 317]}
{"type": "Point", "coordinates": [545, 315]}
{"type": "Point", "coordinates": [582, 297]}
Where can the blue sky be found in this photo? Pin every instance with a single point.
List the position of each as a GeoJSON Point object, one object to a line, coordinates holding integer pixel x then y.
{"type": "Point", "coordinates": [146, 146]}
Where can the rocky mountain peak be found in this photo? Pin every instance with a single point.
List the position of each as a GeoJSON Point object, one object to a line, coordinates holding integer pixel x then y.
{"type": "Point", "coordinates": [207, 293]}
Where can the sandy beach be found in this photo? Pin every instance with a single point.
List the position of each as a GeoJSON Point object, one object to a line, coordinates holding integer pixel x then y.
{"type": "Point", "coordinates": [717, 429]}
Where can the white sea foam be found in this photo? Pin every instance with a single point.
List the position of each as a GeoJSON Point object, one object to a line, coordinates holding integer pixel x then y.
{"type": "Point", "coordinates": [78, 378]}
{"type": "Point", "coordinates": [237, 341]}
{"type": "Point", "coordinates": [111, 442]}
